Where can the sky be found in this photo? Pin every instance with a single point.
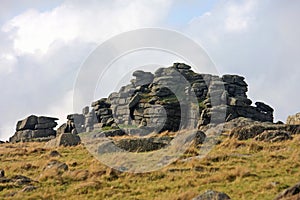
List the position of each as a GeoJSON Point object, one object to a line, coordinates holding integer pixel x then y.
{"type": "Point", "coordinates": [44, 43]}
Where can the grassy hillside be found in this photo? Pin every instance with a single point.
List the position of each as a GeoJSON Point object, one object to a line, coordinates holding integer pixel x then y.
{"type": "Point", "coordinates": [242, 169]}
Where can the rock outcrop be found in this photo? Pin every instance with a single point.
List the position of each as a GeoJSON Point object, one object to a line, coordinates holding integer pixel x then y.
{"type": "Point", "coordinates": [264, 131]}
{"type": "Point", "coordinates": [293, 119]}
{"type": "Point", "coordinates": [274, 136]}
{"type": "Point", "coordinates": [67, 132]}
{"type": "Point", "coordinates": [143, 144]}
{"type": "Point", "coordinates": [100, 116]}
{"type": "Point", "coordinates": [154, 103]}
{"type": "Point", "coordinates": [34, 128]}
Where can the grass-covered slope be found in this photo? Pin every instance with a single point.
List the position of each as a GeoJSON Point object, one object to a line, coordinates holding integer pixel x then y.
{"type": "Point", "coordinates": [242, 169]}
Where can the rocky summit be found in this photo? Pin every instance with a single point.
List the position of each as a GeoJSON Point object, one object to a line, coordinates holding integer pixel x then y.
{"type": "Point", "coordinates": [154, 102]}
{"type": "Point", "coordinates": [170, 99]}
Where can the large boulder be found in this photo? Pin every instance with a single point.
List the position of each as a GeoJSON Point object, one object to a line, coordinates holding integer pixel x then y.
{"type": "Point", "coordinates": [21, 136]}
{"type": "Point", "coordinates": [68, 139]}
{"type": "Point", "coordinates": [212, 195]}
{"type": "Point", "coordinates": [181, 66]}
{"type": "Point", "coordinates": [249, 131]}
{"type": "Point", "coordinates": [46, 120]}
{"type": "Point", "coordinates": [101, 103]}
{"type": "Point", "coordinates": [293, 119]}
{"type": "Point", "coordinates": [34, 128]}
{"type": "Point", "coordinates": [292, 193]}
{"type": "Point", "coordinates": [33, 123]}
{"type": "Point", "coordinates": [62, 129]}
{"type": "Point", "coordinates": [42, 133]}
{"type": "Point", "coordinates": [142, 78]}
{"type": "Point", "coordinates": [49, 125]}
{"type": "Point", "coordinates": [27, 123]}
{"type": "Point", "coordinates": [64, 139]}
{"type": "Point", "coordinates": [264, 107]}
{"type": "Point", "coordinates": [264, 131]}
{"type": "Point", "coordinates": [143, 144]}
{"type": "Point", "coordinates": [109, 133]}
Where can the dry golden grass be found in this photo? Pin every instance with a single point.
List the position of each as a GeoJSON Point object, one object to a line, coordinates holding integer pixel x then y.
{"type": "Point", "coordinates": [242, 169]}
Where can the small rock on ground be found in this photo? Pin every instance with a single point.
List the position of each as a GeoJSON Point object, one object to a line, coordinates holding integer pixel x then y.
{"type": "Point", "coordinates": [212, 195]}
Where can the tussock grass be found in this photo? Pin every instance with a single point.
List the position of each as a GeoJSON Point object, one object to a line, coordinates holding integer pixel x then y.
{"type": "Point", "coordinates": [242, 169]}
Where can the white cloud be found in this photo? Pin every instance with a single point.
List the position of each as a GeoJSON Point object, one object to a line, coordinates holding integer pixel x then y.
{"type": "Point", "coordinates": [41, 52]}
{"type": "Point", "coordinates": [259, 40]}
{"type": "Point", "coordinates": [7, 63]}
{"type": "Point", "coordinates": [239, 16]}
{"type": "Point", "coordinates": [91, 22]}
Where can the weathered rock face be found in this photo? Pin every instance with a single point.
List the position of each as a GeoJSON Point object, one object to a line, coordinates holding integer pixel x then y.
{"type": "Point", "coordinates": [273, 136]}
{"type": "Point", "coordinates": [264, 131]}
{"type": "Point", "coordinates": [34, 128]}
{"type": "Point", "coordinates": [143, 144]}
{"type": "Point", "coordinates": [161, 101]}
{"type": "Point", "coordinates": [64, 139]}
{"type": "Point", "coordinates": [27, 124]}
{"type": "Point", "coordinates": [100, 116]}
{"type": "Point", "coordinates": [109, 133]}
{"type": "Point", "coordinates": [34, 123]}
{"type": "Point", "coordinates": [293, 119]}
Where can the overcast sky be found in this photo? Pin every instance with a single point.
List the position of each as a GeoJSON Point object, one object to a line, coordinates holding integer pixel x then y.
{"type": "Point", "coordinates": [44, 43]}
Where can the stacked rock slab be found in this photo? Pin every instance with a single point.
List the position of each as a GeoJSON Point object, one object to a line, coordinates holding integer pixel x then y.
{"type": "Point", "coordinates": [98, 117]}
{"type": "Point", "coordinates": [121, 104]}
{"type": "Point", "coordinates": [34, 128]}
{"type": "Point", "coordinates": [228, 94]}
{"type": "Point", "coordinates": [165, 101]}
{"type": "Point", "coordinates": [101, 115]}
